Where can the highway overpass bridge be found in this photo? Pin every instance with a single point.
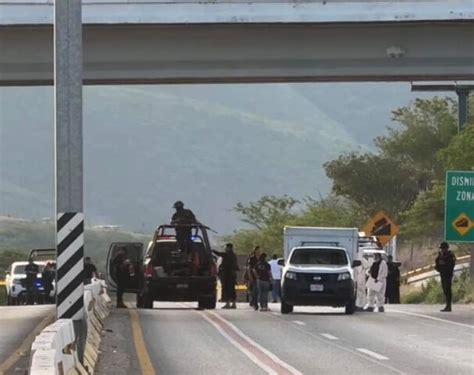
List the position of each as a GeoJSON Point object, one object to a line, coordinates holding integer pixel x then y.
{"type": "Point", "coordinates": [185, 41]}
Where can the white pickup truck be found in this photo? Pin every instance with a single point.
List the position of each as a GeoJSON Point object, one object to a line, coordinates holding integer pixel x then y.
{"type": "Point", "coordinates": [319, 267]}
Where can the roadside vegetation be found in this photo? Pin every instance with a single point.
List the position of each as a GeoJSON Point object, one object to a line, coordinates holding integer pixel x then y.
{"type": "Point", "coordinates": [463, 291]}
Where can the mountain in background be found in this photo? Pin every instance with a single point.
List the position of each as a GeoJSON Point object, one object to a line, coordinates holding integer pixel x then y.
{"type": "Point", "coordinates": [208, 145]}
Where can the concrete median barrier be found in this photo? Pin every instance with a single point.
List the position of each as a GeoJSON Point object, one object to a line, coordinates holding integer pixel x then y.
{"type": "Point", "coordinates": [55, 349]}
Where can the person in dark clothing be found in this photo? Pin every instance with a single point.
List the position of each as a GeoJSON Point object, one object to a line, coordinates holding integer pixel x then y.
{"type": "Point", "coordinates": [31, 271]}
{"type": "Point", "coordinates": [90, 270]}
{"type": "Point", "coordinates": [251, 279]}
{"type": "Point", "coordinates": [392, 293]}
{"type": "Point", "coordinates": [445, 262]}
{"type": "Point", "coordinates": [183, 217]}
{"type": "Point", "coordinates": [48, 276]}
{"type": "Point", "coordinates": [228, 275]}
{"type": "Point", "coordinates": [263, 274]}
{"type": "Point", "coordinates": [122, 275]}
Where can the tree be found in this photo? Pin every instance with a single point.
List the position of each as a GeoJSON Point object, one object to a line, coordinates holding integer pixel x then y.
{"type": "Point", "coordinates": [425, 127]}
{"type": "Point", "coordinates": [269, 215]}
{"type": "Point", "coordinates": [266, 211]}
{"type": "Point", "coordinates": [426, 217]}
{"type": "Point", "coordinates": [459, 155]}
{"type": "Point", "coordinates": [374, 182]}
{"type": "Point", "coordinates": [405, 164]}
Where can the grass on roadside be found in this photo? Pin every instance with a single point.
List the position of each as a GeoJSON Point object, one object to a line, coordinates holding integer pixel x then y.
{"type": "Point", "coordinates": [432, 293]}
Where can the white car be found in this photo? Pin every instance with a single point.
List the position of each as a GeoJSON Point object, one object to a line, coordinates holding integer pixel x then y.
{"type": "Point", "coordinates": [15, 282]}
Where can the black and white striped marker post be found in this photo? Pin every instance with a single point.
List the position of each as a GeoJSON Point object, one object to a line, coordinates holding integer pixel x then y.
{"type": "Point", "coordinates": [70, 265]}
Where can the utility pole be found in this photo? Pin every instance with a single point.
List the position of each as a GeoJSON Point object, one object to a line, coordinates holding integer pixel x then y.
{"type": "Point", "coordinates": [462, 92]}
{"type": "Point", "coordinates": [68, 157]}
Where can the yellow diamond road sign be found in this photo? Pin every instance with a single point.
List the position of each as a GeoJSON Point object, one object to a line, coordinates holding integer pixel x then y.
{"type": "Point", "coordinates": [382, 227]}
{"type": "Point", "coordinates": [462, 224]}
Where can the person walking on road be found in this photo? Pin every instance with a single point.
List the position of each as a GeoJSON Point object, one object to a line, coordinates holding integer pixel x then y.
{"type": "Point", "coordinates": [263, 274]}
{"type": "Point", "coordinates": [377, 284]}
{"type": "Point", "coordinates": [444, 264]}
{"type": "Point", "coordinates": [276, 276]}
{"type": "Point", "coordinates": [228, 275]}
{"type": "Point", "coordinates": [251, 278]}
{"type": "Point", "coordinates": [392, 293]}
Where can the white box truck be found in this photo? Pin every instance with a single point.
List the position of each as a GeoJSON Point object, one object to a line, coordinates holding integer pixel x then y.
{"type": "Point", "coordinates": [318, 267]}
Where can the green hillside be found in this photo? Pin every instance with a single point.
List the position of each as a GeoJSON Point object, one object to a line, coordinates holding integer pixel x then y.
{"type": "Point", "coordinates": [20, 236]}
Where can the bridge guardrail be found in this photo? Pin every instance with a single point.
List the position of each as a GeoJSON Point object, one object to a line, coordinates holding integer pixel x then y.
{"type": "Point", "coordinates": [54, 351]}
{"type": "Point", "coordinates": [421, 270]}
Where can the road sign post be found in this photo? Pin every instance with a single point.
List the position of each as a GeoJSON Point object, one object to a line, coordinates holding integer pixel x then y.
{"type": "Point", "coordinates": [459, 210]}
{"type": "Point", "coordinates": [68, 155]}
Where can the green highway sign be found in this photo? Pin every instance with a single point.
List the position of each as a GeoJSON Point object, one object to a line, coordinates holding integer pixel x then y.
{"type": "Point", "coordinates": [459, 206]}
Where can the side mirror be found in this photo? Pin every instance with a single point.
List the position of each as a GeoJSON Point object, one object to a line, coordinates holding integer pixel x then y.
{"type": "Point", "coordinates": [281, 262]}
{"type": "Point", "coordinates": [356, 263]}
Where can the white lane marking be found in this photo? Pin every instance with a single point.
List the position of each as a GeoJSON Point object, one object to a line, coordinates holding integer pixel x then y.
{"type": "Point", "coordinates": [274, 358]}
{"type": "Point", "coordinates": [345, 349]}
{"type": "Point", "coordinates": [329, 336]}
{"type": "Point", "coordinates": [431, 317]}
{"type": "Point", "coordinates": [299, 323]}
{"type": "Point", "coordinates": [250, 355]}
{"type": "Point", "coordinates": [373, 354]}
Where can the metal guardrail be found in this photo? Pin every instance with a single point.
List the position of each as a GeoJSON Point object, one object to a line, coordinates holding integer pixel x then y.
{"type": "Point", "coordinates": [431, 267]}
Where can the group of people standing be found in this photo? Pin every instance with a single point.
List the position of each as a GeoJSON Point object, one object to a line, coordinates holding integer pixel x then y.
{"type": "Point", "coordinates": [260, 276]}
{"type": "Point", "coordinates": [381, 280]}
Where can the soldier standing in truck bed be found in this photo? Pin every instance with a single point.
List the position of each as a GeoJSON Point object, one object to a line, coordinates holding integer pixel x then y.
{"type": "Point", "coordinates": [183, 218]}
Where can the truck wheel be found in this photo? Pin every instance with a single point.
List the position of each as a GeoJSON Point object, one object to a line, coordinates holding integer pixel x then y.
{"type": "Point", "coordinates": [147, 301]}
{"type": "Point", "coordinates": [286, 308]}
{"type": "Point", "coordinates": [207, 302]}
{"type": "Point", "coordinates": [350, 307]}
{"type": "Point", "coordinates": [139, 301]}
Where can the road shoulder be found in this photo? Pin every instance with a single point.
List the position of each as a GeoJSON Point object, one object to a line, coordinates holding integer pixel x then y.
{"type": "Point", "coordinates": [118, 355]}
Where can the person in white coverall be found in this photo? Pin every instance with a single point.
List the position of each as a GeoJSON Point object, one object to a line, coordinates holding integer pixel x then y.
{"type": "Point", "coordinates": [361, 276]}
{"type": "Point", "coordinates": [378, 280]}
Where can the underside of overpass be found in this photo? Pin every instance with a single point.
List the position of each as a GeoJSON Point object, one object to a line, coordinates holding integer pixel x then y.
{"type": "Point", "coordinates": [158, 42]}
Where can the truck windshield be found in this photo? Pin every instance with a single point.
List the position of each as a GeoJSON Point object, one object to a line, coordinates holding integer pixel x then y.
{"type": "Point", "coordinates": [319, 256]}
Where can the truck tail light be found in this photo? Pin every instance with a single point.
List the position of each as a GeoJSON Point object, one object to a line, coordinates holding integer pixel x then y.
{"type": "Point", "coordinates": [148, 270]}
{"type": "Point", "coordinates": [213, 269]}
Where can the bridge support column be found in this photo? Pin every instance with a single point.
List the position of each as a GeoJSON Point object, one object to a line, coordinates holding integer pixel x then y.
{"type": "Point", "coordinates": [68, 156]}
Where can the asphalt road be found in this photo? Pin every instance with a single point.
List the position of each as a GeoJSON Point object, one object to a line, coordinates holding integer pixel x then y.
{"type": "Point", "coordinates": [18, 325]}
{"type": "Point", "coordinates": [177, 339]}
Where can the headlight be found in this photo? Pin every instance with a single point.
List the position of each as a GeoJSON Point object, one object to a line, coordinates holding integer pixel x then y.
{"type": "Point", "coordinates": [290, 275]}
{"type": "Point", "coordinates": [344, 276]}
